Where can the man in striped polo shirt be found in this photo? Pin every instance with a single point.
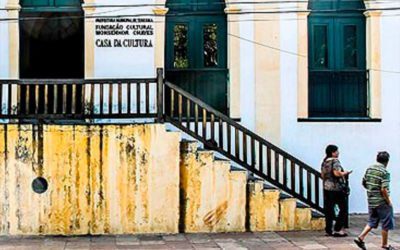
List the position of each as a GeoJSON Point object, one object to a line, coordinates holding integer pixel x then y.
{"type": "Point", "coordinates": [376, 180]}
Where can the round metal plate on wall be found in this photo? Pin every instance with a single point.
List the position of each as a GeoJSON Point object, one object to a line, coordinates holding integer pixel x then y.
{"type": "Point", "coordinates": [39, 185]}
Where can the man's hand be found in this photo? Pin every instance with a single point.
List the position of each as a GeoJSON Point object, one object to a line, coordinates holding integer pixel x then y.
{"type": "Point", "coordinates": [385, 195]}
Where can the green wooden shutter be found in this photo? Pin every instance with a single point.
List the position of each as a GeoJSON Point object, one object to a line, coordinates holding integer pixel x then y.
{"type": "Point", "coordinates": [51, 5]}
{"type": "Point", "coordinates": [337, 64]}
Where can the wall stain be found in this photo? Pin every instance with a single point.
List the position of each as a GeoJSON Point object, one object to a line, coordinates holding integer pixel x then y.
{"type": "Point", "coordinates": [215, 215]}
{"type": "Point", "coordinates": [22, 153]}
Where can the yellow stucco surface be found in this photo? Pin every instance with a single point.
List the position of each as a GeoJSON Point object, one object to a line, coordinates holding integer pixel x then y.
{"type": "Point", "coordinates": [102, 180]}
{"type": "Point", "coordinates": [267, 212]}
{"type": "Point", "coordinates": [127, 179]}
{"type": "Point", "coordinates": [213, 198]}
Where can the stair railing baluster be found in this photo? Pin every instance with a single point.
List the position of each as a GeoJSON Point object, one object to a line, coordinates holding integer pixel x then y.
{"type": "Point", "coordinates": [301, 179]}
{"type": "Point", "coordinates": [309, 198]}
{"type": "Point", "coordinates": [196, 119]}
{"type": "Point", "coordinates": [101, 98]}
{"type": "Point", "coordinates": [261, 158]}
{"type": "Point", "coordinates": [269, 159]}
{"type": "Point", "coordinates": [284, 169]}
{"type": "Point", "coordinates": [316, 189]}
{"type": "Point", "coordinates": [188, 113]}
{"type": "Point", "coordinates": [73, 105]}
{"type": "Point", "coordinates": [253, 153]}
{"type": "Point", "coordinates": [276, 165]}
{"type": "Point", "coordinates": [147, 93]}
{"type": "Point", "coordinates": [120, 98]}
{"type": "Point", "coordinates": [221, 133]}
{"type": "Point", "coordinates": [293, 175]}
{"type": "Point", "coordinates": [172, 103]}
{"type": "Point", "coordinates": [64, 97]}
{"type": "Point", "coordinates": [110, 97]}
{"type": "Point", "coordinates": [36, 100]}
{"type": "Point", "coordinates": [212, 124]}
{"type": "Point", "coordinates": [180, 108]}
{"type": "Point", "coordinates": [27, 101]}
{"type": "Point", "coordinates": [138, 97]}
{"type": "Point", "coordinates": [228, 137]}
{"type": "Point", "coordinates": [237, 153]}
{"type": "Point", "coordinates": [244, 147]}
{"type": "Point", "coordinates": [204, 126]}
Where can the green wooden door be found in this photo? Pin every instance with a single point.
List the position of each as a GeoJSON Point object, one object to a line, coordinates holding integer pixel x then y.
{"type": "Point", "coordinates": [337, 59]}
{"type": "Point", "coordinates": [196, 56]}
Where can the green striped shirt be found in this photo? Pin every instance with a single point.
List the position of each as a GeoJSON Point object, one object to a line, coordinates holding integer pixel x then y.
{"type": "Point", "coordinates": [376, 177]}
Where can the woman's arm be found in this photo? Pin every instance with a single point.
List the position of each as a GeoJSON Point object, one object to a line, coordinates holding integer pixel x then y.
{"type": "Point", "coordinates": [337, 170]}
{"type": "Point", "coordinates": [338, 173]}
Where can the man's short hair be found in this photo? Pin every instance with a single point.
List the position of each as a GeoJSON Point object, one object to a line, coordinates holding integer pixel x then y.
{"type": "Point", "coordinates": [383, 157]}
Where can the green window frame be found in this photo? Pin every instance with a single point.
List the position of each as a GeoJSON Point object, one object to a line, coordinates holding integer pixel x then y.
{"type": "Point", "coordinates": [196, 49]}
{"type": "Point", "coordinates": [51, 5]}
{"type": "Point", "coordinates": [337, 59]}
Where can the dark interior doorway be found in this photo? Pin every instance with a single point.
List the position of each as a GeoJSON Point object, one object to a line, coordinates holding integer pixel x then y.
{"type": "Point", "coordinates": [52, 45]}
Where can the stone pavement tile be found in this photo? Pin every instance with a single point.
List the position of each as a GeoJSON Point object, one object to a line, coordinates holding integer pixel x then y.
{"type": "Point", "coordinates": [394, 244]}
{"type": "Point", "coordinates": [101, 238]}
{"type": "Point", "coordinates": [179, 245]}
{"type": "Point", "coordinates": [103, 245]}
{"type": "Point", "coordinates": [152, 242]}
{"type": "Point", "coordinates": [85, 238]}
{"type": "Point", "coordinates": [153, 247]}
{"type": "Point", "coordinates": [127, 240]}
{"type": "Point", "coordinates": [282, 246]}
{"type": "Point", "coordinates": [175, 237]}
{"type": "Point", "coordinates": [253, 243]}
{"type": "Point", "coordinates": [43, 247]}
{"type": "Point", "coordinates": [79, 245]}
{"type": "Point", "coordinates": [129, 247]}
{"type": "Point", "coordinates": [225, 240]}
{"type": "Point", "coordinates": [313, 246]}
{"type": "Point", "coordinates": [243, 235]}
{"type": "Point", "coordinates": [198, 238]}
{"type": "Point", "coordinates": [342, 246]}
{"type": "Point", "coordinates": [150, 237]}
{"type": "Point", "coordinates": [7, 247]}
{"type": "Point", "coordinates": [287, 248]}
{"type": "Point", "coordinates": [231, 246]}
{"type": "Point", "coordinates": [269, 235]}
{"type": "Point", "coordinates": [26, 248]}
{"type": "Point", "coordinates": [54, 241]}
{"type": "Point", "coordinates": [77, 248]}
{"type": "Point", "coordinates": [209, 245]}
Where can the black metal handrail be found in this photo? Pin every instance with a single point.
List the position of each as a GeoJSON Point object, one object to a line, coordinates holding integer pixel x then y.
{"type": "Point", "coordinates": [43, 100]}
{"type": "Point", "coordinates": [220, 133]}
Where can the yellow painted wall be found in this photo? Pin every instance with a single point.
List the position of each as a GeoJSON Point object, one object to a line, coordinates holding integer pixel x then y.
{"type": "Point", "coordinates": [102, 180]}
{"type": "Point", "coordinates": [213, 197]}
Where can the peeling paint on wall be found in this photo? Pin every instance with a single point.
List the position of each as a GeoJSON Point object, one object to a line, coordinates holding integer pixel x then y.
{"type": "Point", "coordinates": [103, 179]}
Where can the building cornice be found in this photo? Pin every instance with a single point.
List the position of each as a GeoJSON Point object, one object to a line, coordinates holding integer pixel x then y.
{"type": "Point", "coordinates": [10, 7]}
{"type": "Point", "coordinates": [160, 11]}
{"type": "Point", "coordinates": [382, 5]}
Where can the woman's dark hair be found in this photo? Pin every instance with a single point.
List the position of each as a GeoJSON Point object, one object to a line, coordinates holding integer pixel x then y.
{"type": "Point", "coordinates": [330, 149]}
{"type": "Point", "coordinates": [383, 157]}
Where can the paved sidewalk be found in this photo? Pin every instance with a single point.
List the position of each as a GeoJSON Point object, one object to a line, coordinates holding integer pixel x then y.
{"type": "Point", "coordinates": [268, 240]}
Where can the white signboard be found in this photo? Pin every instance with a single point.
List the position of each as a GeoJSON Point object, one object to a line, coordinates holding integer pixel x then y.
{"type": "Point", "coordinates": [124, 47]}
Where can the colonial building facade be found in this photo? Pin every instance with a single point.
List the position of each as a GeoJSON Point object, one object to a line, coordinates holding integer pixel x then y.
{"type": "Point", "coordinates": [302, 74]}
